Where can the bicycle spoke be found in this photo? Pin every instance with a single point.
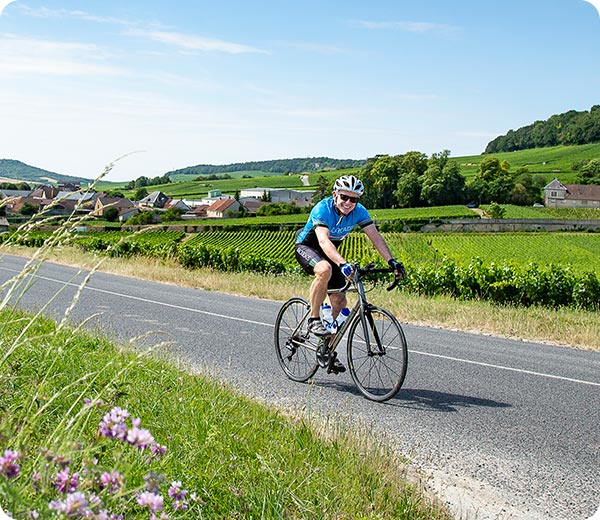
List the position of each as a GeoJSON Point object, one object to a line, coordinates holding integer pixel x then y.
{"type": "Point", "coordinates": [378, 355]}
{"type": "Point", "coordinates": [295, 349]}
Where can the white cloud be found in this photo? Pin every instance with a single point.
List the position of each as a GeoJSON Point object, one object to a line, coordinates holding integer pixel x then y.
{"type": "Point", "coordinates": [25, 56]}
{"type": "Point", "coordinates": [194, 43]}
{"type": "Point", "coordinates": [44, 12]}
{"type": "Point", "coordinates": [407, 26]}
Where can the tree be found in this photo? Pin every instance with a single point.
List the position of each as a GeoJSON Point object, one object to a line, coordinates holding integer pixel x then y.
{"type": "Point", "coordinates": [493, 181]}
{"type": "Point", "coordinates": [412, 166]}
{"type": "Point", "coordinates": [527, 189]}
{"type": "Point", "coordinates": [443, 183]}
{"type": "Point", "coordinates": [408, 190]}
{"type": "Point", "coordinates": [496, 211]}
{"type": "Point", "coordinates": [140, 193]}
{"type": "Point", "coordinates": [115, 193]}
{"type": "Point", "coordinates": [171, 214]}
{"type": "Point", "coordinates": [28, 209]}
{"type": "Point", "coordinates": [143, 218]}
{"type": "Point", "coordinates": [385, 174]}
{"type": "Point", "coordinates": [323, 189]}
{"type": "Point", "coordinates": [590, 173]}
{"type": "Point", "coordinates": [111, 214]}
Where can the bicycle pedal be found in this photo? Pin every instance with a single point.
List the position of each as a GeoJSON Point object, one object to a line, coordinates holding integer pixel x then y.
{"type": "Point", "coordinates": [337, 368]}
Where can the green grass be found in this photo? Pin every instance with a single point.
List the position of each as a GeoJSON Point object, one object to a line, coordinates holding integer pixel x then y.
{"type": "Point", "coordinates": [576, 250]}
{"type": "Point", "coordinates": [240, 458]}
{"type": "Point", "coordinates": [528, 212]}
{"type": "Point", "coordinates": [551, 162]}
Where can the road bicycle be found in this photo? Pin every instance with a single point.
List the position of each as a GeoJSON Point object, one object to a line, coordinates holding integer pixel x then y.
{"type": "Point", "coordinates": [376, 349]}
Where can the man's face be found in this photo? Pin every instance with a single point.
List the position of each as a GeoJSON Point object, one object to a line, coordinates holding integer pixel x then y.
{"type": "Point", "coordinates": [345, 201]}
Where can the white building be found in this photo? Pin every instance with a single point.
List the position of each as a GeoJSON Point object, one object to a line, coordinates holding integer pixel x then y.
{"type": "Point", "coordinates": [300, 197]}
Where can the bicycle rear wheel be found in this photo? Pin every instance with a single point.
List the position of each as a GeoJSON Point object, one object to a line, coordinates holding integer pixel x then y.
{"type": "Point", "coordinates": [377, 356]}
{"type": "Point", "coordinates": [295, 347]}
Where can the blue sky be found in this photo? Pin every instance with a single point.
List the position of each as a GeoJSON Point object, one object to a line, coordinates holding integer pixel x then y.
{"type": "Point", "coordinates": [83, 83]}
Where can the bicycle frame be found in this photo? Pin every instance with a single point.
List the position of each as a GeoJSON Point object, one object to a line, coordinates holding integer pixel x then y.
{"type": "Point", "coordinates": [376, 346]}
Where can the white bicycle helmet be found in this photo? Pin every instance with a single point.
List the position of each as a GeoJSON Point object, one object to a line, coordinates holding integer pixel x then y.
{"type": "Point", "coordinates": [349, 183]}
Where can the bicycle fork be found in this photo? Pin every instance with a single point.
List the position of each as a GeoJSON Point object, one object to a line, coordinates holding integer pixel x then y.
{"type": "Point", "coordinates": [368, 324]}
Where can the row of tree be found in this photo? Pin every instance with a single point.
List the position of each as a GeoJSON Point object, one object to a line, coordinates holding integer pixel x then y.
{"type": "Point", "coordinates": [570, 128]}
{"type": "Point", "coordinates": [298, 165]}
{"type": "Point", "coordinates": [414, 180]}
{"type": "Point", "coordinates": [142, 182]}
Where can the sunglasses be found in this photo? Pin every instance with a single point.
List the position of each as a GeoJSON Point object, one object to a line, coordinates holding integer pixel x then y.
{"type": "Point", "coordinates": [347, 198]}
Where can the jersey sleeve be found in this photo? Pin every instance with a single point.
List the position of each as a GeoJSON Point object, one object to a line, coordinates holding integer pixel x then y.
{"type": "Point", "coordinates": [363, 218]}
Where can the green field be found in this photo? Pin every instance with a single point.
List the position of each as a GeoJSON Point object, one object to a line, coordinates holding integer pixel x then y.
{"type": "Point", "coordinates": [551, 162]}
{"type": "Point", "coordinates": [579, 251]}
{"type": "Point", "coordinates": [556, 161]}
{"type": "Point", "coordinates": [527, 212]}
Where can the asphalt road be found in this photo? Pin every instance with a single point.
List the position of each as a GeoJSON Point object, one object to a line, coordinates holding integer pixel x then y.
{"type": "Point", "coordinates": [505, 429]}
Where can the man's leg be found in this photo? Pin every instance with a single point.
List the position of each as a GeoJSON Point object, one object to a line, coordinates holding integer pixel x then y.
{"type": "Point", "coordinates": [338, 302]}
{"type": "Point", "coordinates": [318, 288]}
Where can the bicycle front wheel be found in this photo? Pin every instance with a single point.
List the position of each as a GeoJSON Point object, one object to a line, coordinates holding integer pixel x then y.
{"type": "Point", "coordinates": [295, 348]}
{"type": "Point", "coordinates": [377, 354]}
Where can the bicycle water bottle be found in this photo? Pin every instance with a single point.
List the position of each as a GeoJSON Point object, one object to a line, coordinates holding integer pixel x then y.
{"type": "Point", "coordinates": [341, 319]}
{"type": "Point", "coordinates": [327, 317]}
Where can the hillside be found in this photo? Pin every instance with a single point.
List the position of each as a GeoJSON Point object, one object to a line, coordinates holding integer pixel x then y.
{"type": "Point", "coordinates": [12, 170]}
{"type": "Point", "coordinates": [298, 165]}
{"type": "Point", "coordinates": [567, 129]}
{"type": "Point", "coordinates": [550, 162]}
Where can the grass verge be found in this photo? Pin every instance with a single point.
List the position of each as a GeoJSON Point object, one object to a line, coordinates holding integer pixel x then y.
{"type": "Point", "coordinates": [223, 455]}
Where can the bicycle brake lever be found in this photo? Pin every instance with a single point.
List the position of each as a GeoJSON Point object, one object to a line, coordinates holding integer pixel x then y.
{"type": "Point", "coordinates": [394, 284]}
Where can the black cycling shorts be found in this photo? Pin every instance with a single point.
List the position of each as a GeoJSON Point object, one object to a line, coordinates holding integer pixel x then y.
{"type": "Point", "coordinates": [308, 257]}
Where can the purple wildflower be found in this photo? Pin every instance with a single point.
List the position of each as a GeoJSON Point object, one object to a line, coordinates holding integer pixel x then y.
{"type": "Point", "coordinates": [178, 495]}
{"type": "Point", "coordinates": [76, 505]}
{"type": "Point", "coordinates": [8, 464]}
{"type": "Point", "coordinates": [139, 437]}
{"type": "Point", "coordinates": [152, 500]}
{"type": "Point", "coordinates": [153, 481]}
{"type": "Point", "coordinates": [88, 402]}
{"type": "Point", "coordinates": [57, 505]}
{"type": "Point", "coordinates": [113, 424]}
{"type": "Point", "coordinates": [65, 482]}
{"type": "Point", "coordinates": [112, 481]}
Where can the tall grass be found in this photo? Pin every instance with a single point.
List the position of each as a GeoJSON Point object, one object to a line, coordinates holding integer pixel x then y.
{"type": "Point", "coordinates": [92, 430]}
{"type": "Point", "coordinates": [232, 457]}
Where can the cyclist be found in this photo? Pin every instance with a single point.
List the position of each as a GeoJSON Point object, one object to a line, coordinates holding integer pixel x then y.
{"type": "Point", "coordinates": [330, 221]}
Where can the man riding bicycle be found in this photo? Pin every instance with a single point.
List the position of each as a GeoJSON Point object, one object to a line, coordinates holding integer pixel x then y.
{"type": "Point", "coordinates": [329, 222]}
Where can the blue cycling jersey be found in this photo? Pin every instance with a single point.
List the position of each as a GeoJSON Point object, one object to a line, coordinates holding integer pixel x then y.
{"type": "Point", "coordinates": [325, 214]}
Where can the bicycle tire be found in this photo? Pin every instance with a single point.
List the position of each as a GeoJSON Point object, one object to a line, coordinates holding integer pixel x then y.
{"type": "Point", "coordinates": [296, 355]}
{"type": "Point", "coordinates": [378, 375]}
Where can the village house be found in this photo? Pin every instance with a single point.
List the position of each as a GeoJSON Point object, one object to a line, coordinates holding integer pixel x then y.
{"type": "Point", "coordinates": [156, 199]}
{"type": "Point", "coordinates": [196, 212]}
{"type": "Point", "coordinates": [223, 208]}
{"type": "Point", "coordinates": [103, 203]}
{"type": "Point", "coordinates": [301, 198]}
{"type": "Point", "coordinates": [176, 204]}
{"type": "Point", "coordinates": [559, 195]}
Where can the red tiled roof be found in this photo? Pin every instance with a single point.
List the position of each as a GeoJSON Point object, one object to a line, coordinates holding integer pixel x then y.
{"type": "Point", "coordinates": [221, 205]}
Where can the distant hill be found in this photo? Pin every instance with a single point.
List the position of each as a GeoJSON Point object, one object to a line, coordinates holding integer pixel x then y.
{"type": "Point", "coordinates": [19, 171]}
{"type": "Point", "coordinates": [568, 129]}
{"type": "Point", "coordinates": [307, 164]}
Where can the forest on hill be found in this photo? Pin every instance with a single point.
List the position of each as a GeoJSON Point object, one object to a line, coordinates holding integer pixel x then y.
{"type": "Point", "coordinates": [12, 169]}
{"type": "Point", "coordinates": [298, 165]}
{"type": "Point", "coordinates": [568, 129]}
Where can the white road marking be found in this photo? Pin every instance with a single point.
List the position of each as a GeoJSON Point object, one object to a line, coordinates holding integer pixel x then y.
{"type": "Point", "coordinates": [216, 315]}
